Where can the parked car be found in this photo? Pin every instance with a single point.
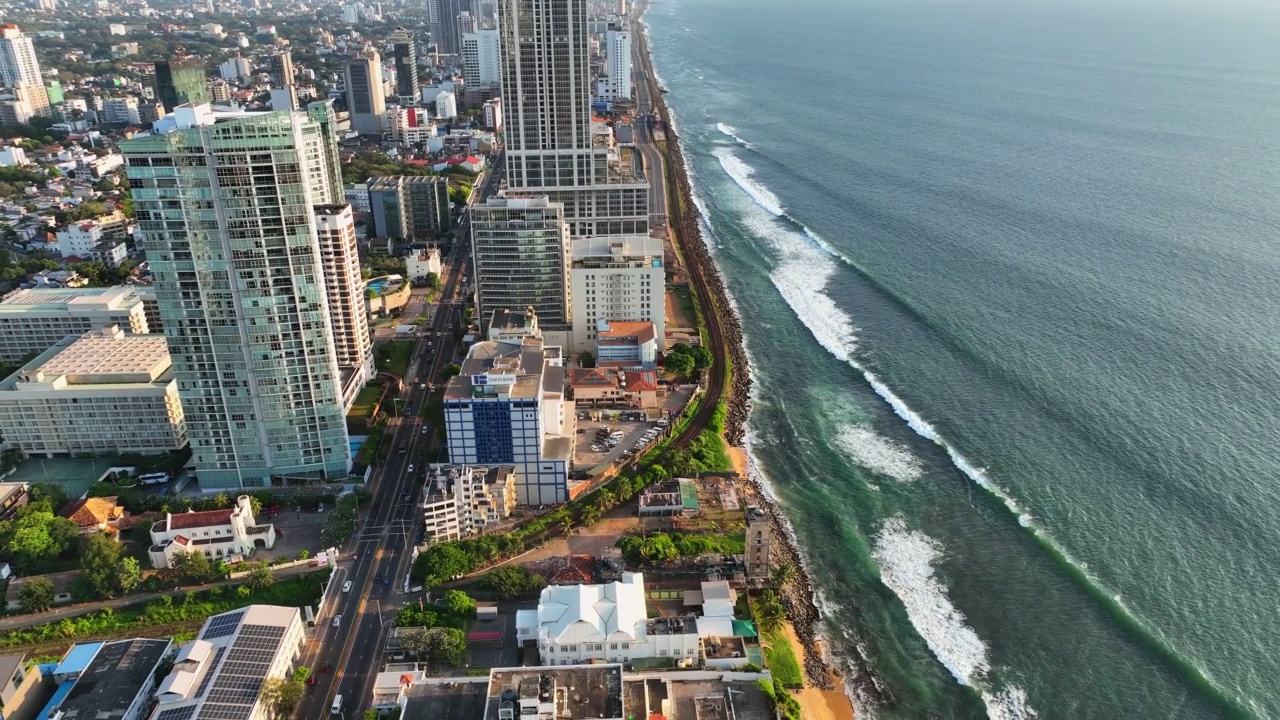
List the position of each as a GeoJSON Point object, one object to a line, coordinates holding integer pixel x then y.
{"type": "Point", "coordinates": [346, 586]}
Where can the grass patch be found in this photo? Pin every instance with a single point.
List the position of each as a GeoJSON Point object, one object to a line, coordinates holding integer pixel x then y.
{"type": "Point", "coordinates": [682, 306]}
{"type": "Point", "coordinates": [169, 610]}
{"type": "Point", "coordinates": [368, 397]}
{"type": "Point", "coordinates": [394, 356]}
{"type": "Point", "coordinates": [782, 660]}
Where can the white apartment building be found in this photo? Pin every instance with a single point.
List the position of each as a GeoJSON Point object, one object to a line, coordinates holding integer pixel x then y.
{"type": "Point", "coordinates": [508, 407]}
{"type": "Point", "coordinates": [218, 534]}
{"type": "Point", "coordinates": [36, 319]}
{"type": "Point", "coordinates": [446, 105]}
{"type": "Point", "coordinates": [423, 263]}
{"type": "Point", "coordinates": [79, 238]}
{"type": "Point", "coordinates": [576, 624]}
{"type": "Point", "coordinates": [234, 68]}
{"type": "Point", "coordinates": [121, 111]}
{"type": "Point", "coordinates": [617, 49]}
{"type": "Point", "coordinates": [339, 256]}
{"type": "Point", "coordinates": [409, 125]}
{"type": "Point", "coordinates": [357, 196]}
{"type": "Point", "coordinates": [109, 252]}
{"type": "Point", "coordinates": [616, 278]}
{"type": "Point", "coordinates": [20, 70]}
{"type": "Point", "coordinates": [460, 501]}
{"type": "Point", "coordinates": [102, 393]}
{"type": "Point", "coordinates": [481, 62]}
{"type": "Point", "coordinates": [13, 155]}
{"type": "Point", "coordinates": [222, 672]}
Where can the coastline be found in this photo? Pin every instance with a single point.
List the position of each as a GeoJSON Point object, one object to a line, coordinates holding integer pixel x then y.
{"type": "Point", "coordinates": [825, 695]}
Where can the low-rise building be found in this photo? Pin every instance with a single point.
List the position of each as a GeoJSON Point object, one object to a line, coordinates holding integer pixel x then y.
{"type": "Point", "coordinates": [78, 239]}
{"type": "Point", "coordinates": [513, 325]}
{"type": "Point", "coordinates": [116, 684]}
{"type": "Point", "coordinates": [36, 319]}
{"type": "Point", "coordinates": [669, 498]}
{"type": "Point", "coordinates": [425, 261]}
{"type": "Point", "coordinates": [22, 693]}
{"type": "Point", "coordinates": [556, 693]}
{"type": "Point", "coordinates": [459, 501]}
{"type": "Point", "coordinates": [218, 534]}
{"type": "Point", "coordinates": [606, 386]}
{"type": "Point", "coordinates": [97, 514]}
{"type": "Point", "coordinates": [104, 392]}
{"type": "Point", "coordinates": [577, 624]}
{"type": "Point", "coordinates": [221, 673]}
{"type": "Point", "coordinates": [626, 344]}
{"type": "Point", "coordinates": [13, 155]}
{"type": "Point", "coordinates": [13, 497]}
{"type": "Point", "coordinates": [109, 252]}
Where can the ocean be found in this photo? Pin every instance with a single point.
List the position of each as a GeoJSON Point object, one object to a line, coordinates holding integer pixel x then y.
{"type": "Point", "coordinates": [1010, 279]}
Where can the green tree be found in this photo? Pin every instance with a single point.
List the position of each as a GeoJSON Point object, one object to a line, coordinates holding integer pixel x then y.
{"type": "Point", "coordinates": [192, 567]}
{"type": "Point", "coordinates": [586, 359]}
{"type": "Point", "coordinates": [770, 614]}
{"type": "Point", "coordinates": [678, 363]}
{"type": "Point", "coordinates": [36, 595]}
{"type": "Point", "coordinates": [100, 563]}
{"type": "Point", "coordinates": [590, 515]}
{"type": "Point", "coordinates": [701, 357]}
{"type": "Point", "coordinates": [441, 562]}
{"type": "Point", "coordinates": [451, 370]}
{"type": "Point", "coordinates": [260, 577]}
{"type": "Point", "coordinates": [433, 281]}
{"type": "Point", "coordinates": [783, 575]}
{"type": "Point", "coordinates": [51, 493]}
{"type": "Point", "coordinates": [302, 673]}
{"type": "Point", "coordinates": [459, 604]}
{"type": "Point", "coordinates": [130, 574]}
{"type": "Point", "coordinates": [512, 581]}
{"type": "Point", "coordinates": [36, 537]}
{"type": "Point", "coordinates": [281, 697]}
{"type": "Point", "coordinates": [446, 646]}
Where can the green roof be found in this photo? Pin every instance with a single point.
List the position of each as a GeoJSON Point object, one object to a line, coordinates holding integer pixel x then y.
{"type": "Point", "coordinates": [689, 495]}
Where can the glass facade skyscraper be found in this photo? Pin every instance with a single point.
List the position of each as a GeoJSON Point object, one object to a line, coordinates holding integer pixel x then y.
{"type": "Point", "coordinates": [226, 207]}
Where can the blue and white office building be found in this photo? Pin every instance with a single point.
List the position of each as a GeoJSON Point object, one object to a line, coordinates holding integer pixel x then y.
{"type": "Point", "coordinates": [508, 407]}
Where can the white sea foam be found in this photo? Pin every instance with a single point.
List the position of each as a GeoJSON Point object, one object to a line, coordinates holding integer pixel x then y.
{"type": "Point", "coordinates": [879, 454]}
{"type": "Point", "coordinates": [906, 558]}
{"type": "Point", "coordinates": [732, 132]}
{"type": "Point", "coordinates": [741, 174]}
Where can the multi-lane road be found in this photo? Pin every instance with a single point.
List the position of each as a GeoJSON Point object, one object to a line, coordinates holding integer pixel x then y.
{"type": "Point", "coordinates": [377, 563]}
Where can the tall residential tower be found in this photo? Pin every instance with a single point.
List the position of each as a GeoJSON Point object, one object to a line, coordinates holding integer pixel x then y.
{"type": "Point", "coordinates": [227, 206]}
{"type": "Point", "coordinates": [20, 70]}
{"type": "Point", "coordinates": [366, 99]}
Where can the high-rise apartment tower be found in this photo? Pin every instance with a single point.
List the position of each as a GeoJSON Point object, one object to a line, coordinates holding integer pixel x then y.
{"type": "Point", "coordinates": [226, 205]}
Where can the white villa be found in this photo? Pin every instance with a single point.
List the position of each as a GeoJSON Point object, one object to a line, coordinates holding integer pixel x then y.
{"type": "Point", "coordinates": [577, 624]}
{"type": "Point", "coordinates": [219, 534]}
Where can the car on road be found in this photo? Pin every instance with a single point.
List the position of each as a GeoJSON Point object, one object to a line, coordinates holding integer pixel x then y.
{"type": "Point", "coordinates": [377, 579]}
{"type": "Point", "coordinates": [424, 429]}
{"type": "Point", "coordinates": [410, 468]}
{"type": "Point", "coordinates": [346, 586]}
{"type": "Point", "coordinates": [337, 620]}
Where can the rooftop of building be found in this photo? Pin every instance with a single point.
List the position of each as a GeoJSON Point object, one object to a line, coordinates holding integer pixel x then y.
{"type": "Point", "coordinates": [508, 320]}
{"type": "Point", "coordinates": [102, 358]}
{"type": "Point", "coordinates": [93, 511]}
{"type": "Point", "coordinates": [625, 332]}
{"type": "Point", "coordinates": [112, 681]}
{"type": "Point", "coordinates": [578, 691]}
{"type": "Point", "coordinates": [9, 489]}
{"type": "Point", "coordinates": [491, 363]}
{"type": "Point", "coordinates": [682, 625]}
{"type": "Point", "coordinates": [43, 300]}
{"type": "Point", "coordinates": [9, 664]}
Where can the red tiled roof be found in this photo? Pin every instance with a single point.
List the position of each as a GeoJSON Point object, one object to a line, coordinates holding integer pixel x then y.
{"type": "Point", "coordinates": [641, 330]}
{"type": "Point", "coordinates": [641, 380]}
{"type": "Point", "coordinates": [192, 519]}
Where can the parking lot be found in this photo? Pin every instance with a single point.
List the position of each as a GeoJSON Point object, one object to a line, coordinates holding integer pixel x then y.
{"type": "Point", "coordinates": [591, 452]}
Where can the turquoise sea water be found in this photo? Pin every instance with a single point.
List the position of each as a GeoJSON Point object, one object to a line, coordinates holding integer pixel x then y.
{"type": "Point", "coordinates": [1010, 273]}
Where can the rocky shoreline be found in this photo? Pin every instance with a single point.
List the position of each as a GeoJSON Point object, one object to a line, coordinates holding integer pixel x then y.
{"type": "Point", "coordinates": [799, 597]}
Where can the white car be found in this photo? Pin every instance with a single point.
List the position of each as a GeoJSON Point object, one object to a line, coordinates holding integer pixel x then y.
{"type": "Point", "coordinates": [337, 620]}
{"type": "Point", "coordinates": [410, 469]}
{"type": "Point", "coordinates": [346, 586]}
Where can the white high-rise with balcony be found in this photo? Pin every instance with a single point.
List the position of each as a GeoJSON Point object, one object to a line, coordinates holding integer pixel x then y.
{"type": "Point", "coordinates": [226, 207]}
{"type": "Point", "coordinates": [19, 68]}
{"type": "Point", "coordinates": [336, 230]}
{"type": "Point", "coordinates": [480, 58]}
{"type": "Point", "coordinates": [616, 278]}
{"type": "Point", "coordinates": [617, 50]}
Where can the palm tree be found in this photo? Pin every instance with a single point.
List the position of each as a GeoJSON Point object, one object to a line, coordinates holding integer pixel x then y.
{"type": "Point", "coordinates": [783, 575]}
{"type": "Point", "coordinates": [607, 499]}
{"type": "Point", "coordinates": [590, 515]}
{"type": "Point", "coordinates": [769, 613]}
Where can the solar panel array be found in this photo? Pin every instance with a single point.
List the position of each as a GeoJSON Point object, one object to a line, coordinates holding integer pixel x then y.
{"type": "Point", "coordinates": [222, 625]}
{"type": "Point", "coordinates": [208, 676]}
{"type": "Point", "coordinates": [182, 713]}
{"type": "Point", "coordinates": [236, 690]}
